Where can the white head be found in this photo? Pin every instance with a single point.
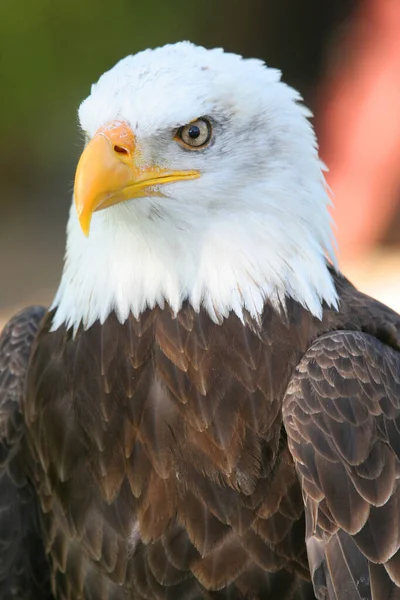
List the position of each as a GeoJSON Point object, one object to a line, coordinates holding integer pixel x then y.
{"type": "Point", "coordinates": [248, 221]}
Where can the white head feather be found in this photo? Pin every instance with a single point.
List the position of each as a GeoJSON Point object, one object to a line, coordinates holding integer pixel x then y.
{"type": "Point", "coordinates": [255, 224]}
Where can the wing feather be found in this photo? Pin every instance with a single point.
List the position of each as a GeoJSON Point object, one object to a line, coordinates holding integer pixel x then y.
{"type": "Point", "coordinates": [341, 412]}
{"type": "Point", "coordinates": [24, 572]}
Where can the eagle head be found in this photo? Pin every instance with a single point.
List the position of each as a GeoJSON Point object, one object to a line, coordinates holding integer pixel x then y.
{"type": "Point", "coordinates": [200, 181]}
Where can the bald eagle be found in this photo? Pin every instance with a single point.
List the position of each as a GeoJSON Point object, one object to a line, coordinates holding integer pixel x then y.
{"type": "Point", "coordinates": [208, 409]}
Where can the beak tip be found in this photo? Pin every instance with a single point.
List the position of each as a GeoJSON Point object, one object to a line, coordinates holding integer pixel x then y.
{"type": "Point", "coordinates": [85, 229]}
{"type": "Point", "coordinates": [84, 221]}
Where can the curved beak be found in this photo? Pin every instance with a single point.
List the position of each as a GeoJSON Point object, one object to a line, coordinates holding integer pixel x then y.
{"type": "Point", "coordinates": [111, 170]}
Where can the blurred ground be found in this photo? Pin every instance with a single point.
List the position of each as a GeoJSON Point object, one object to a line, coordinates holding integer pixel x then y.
{"type": "Point", "coordinates": [343, 56]}
{"type": "Point", "coordinates": [378, 275]}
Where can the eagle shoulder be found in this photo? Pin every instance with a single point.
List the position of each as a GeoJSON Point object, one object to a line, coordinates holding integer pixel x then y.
{"type": "Point", "coordinates": [341, 412]}
{"type": "Point", "coordinates": [24, 572]}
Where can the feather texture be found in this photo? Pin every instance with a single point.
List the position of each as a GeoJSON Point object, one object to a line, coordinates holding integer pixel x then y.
{"type": "Point", "coordinates": [340, 413]}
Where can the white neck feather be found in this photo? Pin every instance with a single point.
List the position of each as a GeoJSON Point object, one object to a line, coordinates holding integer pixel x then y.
{"type": "Point", "coordinates": [132, 261]}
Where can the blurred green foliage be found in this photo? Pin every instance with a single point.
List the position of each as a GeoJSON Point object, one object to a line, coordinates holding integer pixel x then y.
{"type": "Point", "coordinates": [51, 51]}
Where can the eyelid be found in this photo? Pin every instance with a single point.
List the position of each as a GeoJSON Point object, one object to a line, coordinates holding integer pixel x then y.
{"type": "Point", "coordinates": [202, 118]}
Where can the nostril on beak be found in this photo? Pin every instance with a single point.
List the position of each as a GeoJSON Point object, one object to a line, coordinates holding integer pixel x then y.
{"type": "Point", "coordinates": [120, 150]}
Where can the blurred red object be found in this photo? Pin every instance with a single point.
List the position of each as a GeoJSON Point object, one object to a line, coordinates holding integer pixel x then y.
{"type": "Point", "coordinates": [359, 126]}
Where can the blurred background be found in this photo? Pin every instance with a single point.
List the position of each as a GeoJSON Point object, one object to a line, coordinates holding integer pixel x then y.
{"type": "Point", "coordinates": [343, 56]}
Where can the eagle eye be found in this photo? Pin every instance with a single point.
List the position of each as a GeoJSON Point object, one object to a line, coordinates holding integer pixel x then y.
{"type": "Point", "coordinates": [194, 135]}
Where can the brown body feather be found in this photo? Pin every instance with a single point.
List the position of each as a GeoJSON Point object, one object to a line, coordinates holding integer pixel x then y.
{"type": "Point", "coordinates": [173, 457]}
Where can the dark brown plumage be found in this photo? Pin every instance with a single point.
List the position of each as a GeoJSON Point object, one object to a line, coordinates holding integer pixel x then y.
{"type": "Point", "coordinates": [177, 458]}
{"type": "Point", "coordinates": [24, 571]}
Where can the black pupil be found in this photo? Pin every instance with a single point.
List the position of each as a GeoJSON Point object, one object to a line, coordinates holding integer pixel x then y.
{"type": "Point", "coordinates": [194, 132]}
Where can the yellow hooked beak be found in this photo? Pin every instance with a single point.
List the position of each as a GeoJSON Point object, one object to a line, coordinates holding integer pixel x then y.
{"type": "Point", "coordinates": [109, 171]}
